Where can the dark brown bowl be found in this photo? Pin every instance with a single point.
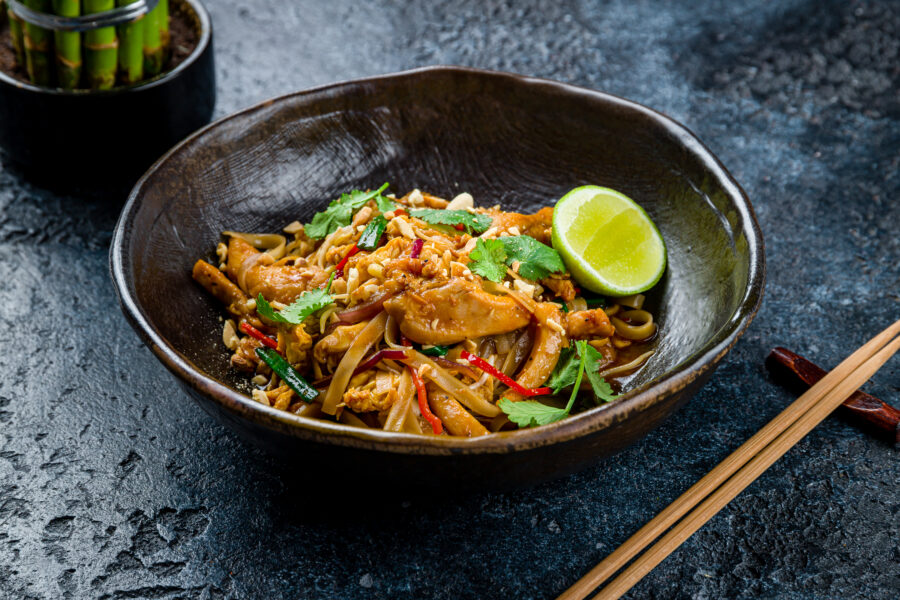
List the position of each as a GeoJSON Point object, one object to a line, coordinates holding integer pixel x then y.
{"type": "Point", "coordinates": [515, 140]}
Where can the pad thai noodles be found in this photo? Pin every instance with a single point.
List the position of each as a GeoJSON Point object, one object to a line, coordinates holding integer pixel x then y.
{"type": "Point", "coordinates": [420, 315]}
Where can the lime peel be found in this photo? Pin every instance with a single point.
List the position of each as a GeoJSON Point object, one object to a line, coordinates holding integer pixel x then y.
{"type": "Point", "coordinates": [607, 241]}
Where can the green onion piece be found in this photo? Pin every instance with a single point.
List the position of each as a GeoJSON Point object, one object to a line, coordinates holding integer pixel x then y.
{"type": "Point", "coordinates": [436, 350]}
{"type": "Point", "coordinates": [371, 235]}
{"type": "Point", "coordinates": [564, 307]}
{"type": "Point", "coordinates": [596, 302]}
{"type": "Point", "coordinates": [288, 374]}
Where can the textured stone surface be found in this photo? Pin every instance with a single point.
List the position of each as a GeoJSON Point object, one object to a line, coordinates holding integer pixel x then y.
{"type": "Point", "coordinates": [114, 485]}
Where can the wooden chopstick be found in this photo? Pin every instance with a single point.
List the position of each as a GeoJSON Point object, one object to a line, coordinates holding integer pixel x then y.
{"type": "Point", "coordinates": [727, 468]}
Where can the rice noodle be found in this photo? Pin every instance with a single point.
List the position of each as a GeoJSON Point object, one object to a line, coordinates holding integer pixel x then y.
{"type": "Point", "coordinates": [400, 408]}
{"type": "Point", "coordinates": [348, 418]}
{"type": "Point", "coordinates": [636, 301]}
{"type": "Point", "coordinates": [391, 329]}
{"type": "Point", "coordinates": [627, 367]}
{"type": "Point", "coordinates": [368, 337]}
{"type": "Point", "coordinates": [453, 386]}
{"type": "Point", "coordinates": [640, 327]}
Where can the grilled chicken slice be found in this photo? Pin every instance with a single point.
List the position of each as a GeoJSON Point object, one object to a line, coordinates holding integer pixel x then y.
{"type": "Point", "coordinates": [255, 274]}
{"type": "Point", "coordinates": [454, 311]}
{"type": "Point", "coordinates": [588, 324]}
{"type": "Point", "coordinates": [455, 418]}
{"type": "Point", "coordinates": [222, 288]}
{"type": "Point", "coordinates": [537, 225]}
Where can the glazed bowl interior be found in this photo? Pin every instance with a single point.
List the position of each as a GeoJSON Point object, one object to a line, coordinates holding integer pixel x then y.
{"type": "Point", "coordinates": [505, 139]}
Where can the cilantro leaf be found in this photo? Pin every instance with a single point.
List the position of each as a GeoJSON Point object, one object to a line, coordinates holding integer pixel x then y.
{"type": "Point", "coordinates": [536, 260]}
{"type": "Point", "coordinates": [528, 413]}
{"type": "Point", "coordinates": [385, 204]}
{"type": "Point", "coordinates": [488, 259]}
{"type": "Point", "coordinates": [441, 216]}
{"type": "Point", "coordinates": [340, 212]}
{"type": "Point", "coordinates": [295, 313]}
{"type": "Point", "coordinates": [566, 370]}
{"type": "Point", "coordinates": [602, 390]}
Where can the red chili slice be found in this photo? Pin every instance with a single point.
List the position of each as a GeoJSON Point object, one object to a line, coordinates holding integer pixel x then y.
{"type": "Point", "coordinates": [491, 370]}
{"type": "Point", "coordinates": [436, 426]}
{"type": "Point", "coordinates": [256, 333]}
{"type": "Point", "coordinates": [339, 269]}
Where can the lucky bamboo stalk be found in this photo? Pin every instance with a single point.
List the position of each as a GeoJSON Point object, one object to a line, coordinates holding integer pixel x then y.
{"type": "Point", "coordinates": [131, 48]}
{"type": "Point", "coordinates": [100, 49]}
{"type": "Point", "coordinates": [68, 46]}
{"type": "Point", "coordinates": [37, 43]}
{"type": "Point", "coordinates": [153, 51]}
{"type": "Point", "coordinates": [16, 33]}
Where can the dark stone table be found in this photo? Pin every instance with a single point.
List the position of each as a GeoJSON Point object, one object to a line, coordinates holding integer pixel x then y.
{"type": "Point", "coordinates": [114, 485]}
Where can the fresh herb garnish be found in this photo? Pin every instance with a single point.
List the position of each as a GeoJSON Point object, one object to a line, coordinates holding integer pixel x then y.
{"type": "Point", "coordinates": [488, 259]}
{"type": "Point", "coordinates": [573, 364]}
{"type": "Point", "coordinates": [602, 390]}
{"type": "Point", "coordinates": [536, 260]}
{"type": "Point", "coordinates": [566, 370]}
{"type": "Point", "coordinates": [340, 212]}
{"type": "Point", "coordinates": [528, 413]}
{"type": "Point", "coordinates": [385, 204]}
{"type": "Point", "coordinates": [299, 309]}
{"type": "Point", "coordinates": [435, 350]}
{"type": "Point", "coordinates": [439, 216]}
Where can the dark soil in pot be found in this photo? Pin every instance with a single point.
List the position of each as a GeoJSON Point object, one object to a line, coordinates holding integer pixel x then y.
{"type": "Point", "coordinates": [183, 28]}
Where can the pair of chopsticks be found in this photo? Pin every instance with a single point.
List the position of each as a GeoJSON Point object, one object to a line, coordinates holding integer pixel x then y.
{"type": "Point", "coordinates": [730, 477]}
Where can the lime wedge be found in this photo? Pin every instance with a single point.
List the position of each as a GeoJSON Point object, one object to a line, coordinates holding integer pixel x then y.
{"type": "Point", "coordinates": [607, 241]}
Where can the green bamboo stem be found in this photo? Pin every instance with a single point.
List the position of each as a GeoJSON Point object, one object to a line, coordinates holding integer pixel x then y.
{"type": "Point", "coordinates": [163, 23]}
{"type": "Point", "coordinates": [16, 33]}
{"type": "Point", "coordinates": [100, 49]}
{"type": "Point", "coordinates": [131, 48]}
{"type": "Point", "coordinates": [38, 43]}
{"type": "Point", "coordinates": [153, 51]}
{"type": "Point", "coordinates": [68, 46]}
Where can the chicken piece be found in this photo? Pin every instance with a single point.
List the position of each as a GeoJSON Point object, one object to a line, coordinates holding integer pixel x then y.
{"type": "Point", "coordinates": [588, 324]}
{"type": "Point", "coordinates": [215, 282]}
{"type": "Point", "coordinates": [562, 286]}
{"type": "Point", "coordinates": [454, 311]}
{"type": "Point", "coordinates": [362, 401]}
{"type": "Point", "coordinates": [455, 418]}
{"type": "Point", "coordinates": [298, 346]}
{"type": "Point", "coordinates": [371, 391]}
{"type": "Point", "coordinates": [537, 225]}
{"type": "Point", "coordinates": [255, 274]}
{"type": "Point", "coordinates": [548, 343]}
{"type": "Point", "coordinates": [337, 341]}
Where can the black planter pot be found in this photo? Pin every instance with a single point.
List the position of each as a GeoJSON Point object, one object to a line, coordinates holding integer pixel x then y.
{"type": "Point", "coordinates": [102, 141]}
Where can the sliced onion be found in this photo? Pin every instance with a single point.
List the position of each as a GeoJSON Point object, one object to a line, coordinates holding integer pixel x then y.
{"type": "Point", "coordinates": [366, 310]}
{"type": "Point", "coordinates": [455, 366]}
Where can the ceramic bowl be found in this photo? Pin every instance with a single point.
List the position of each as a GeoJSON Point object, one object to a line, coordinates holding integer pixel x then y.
{"type": "Point", "coordinates": [507, 139]}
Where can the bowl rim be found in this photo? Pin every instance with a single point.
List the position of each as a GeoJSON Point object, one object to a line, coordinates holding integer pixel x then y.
{"type": "Point", "coordinates": [202, 44]}
{"type": "Point", "coordinates": [576, 426]}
